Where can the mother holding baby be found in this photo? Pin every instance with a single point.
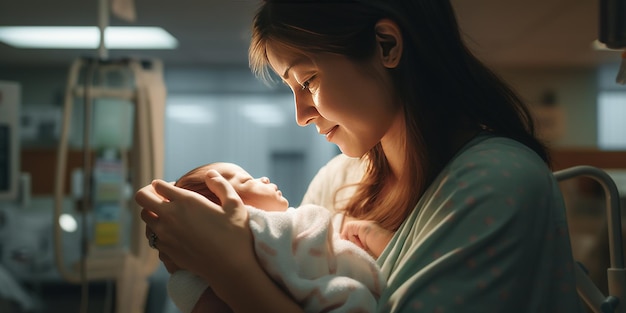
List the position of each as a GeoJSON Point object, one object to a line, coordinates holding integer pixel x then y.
{"type": "Point", "coordinates": [435, 148]}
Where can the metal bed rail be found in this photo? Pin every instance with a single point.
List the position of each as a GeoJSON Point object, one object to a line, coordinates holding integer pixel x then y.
{"type": "Point", "coordinates": [616, 274]}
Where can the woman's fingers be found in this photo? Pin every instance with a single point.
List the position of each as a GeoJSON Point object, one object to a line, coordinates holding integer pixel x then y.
{"type": "Point", "coordinates": [223, 190]}
{"type": "Point", "coordinates": [148, 231]}
{"type": "Point", "coordinates": [156, 196]}
{"type": "Point", "coordinates": [167, 190]}
{"type": "Point", "coordinates": [148, 216]}
{"type": "Point", "coordinates": [170, 266]}
{"type": "Point", "coordinates": [147, 197]}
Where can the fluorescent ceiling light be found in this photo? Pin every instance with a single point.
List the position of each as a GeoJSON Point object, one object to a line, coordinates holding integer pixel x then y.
{"type": "Point", "coordinates": [191, 113]}
{"type": "Point", "coordinates": [86, 37]}
{"type": "Point", "coordinates": [264, 114]}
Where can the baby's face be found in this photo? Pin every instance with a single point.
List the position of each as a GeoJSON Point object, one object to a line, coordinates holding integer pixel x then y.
{"type": "Point", "coordinates": [256, 192]}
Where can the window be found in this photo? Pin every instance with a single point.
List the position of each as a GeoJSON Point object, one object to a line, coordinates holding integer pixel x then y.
{"type": "Point", "coordinates": [612, 120]}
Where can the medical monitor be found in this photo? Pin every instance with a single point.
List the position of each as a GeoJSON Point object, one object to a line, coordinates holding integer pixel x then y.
{"type": "Point", "coordinates": [9, 140]}
{"type": "Point", "coordinates": [613, 23]}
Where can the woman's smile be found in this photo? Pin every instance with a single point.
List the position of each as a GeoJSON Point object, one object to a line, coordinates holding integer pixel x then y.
{"type": "Point", "coordinates": [329, 132]}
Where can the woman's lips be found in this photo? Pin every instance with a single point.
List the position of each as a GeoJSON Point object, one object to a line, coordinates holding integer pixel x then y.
{"type": "Point", "coordinates": [329, 133]}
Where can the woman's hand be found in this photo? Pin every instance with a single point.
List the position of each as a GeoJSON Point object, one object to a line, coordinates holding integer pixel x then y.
{"type": "Point", "coordinates": [212, 241]}
{"type": "Point", "coordinates": [170, 266]}
{"type": "Point", "coordinates": [194, 233]}
{"type": "Point", "coordinates": [368, 235]}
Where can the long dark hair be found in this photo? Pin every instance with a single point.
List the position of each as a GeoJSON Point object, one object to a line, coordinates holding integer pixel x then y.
{"type": "Point", "coordinates": [444, 89]}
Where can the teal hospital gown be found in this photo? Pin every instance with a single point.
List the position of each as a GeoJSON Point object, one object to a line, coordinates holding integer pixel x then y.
{"type": "Point", "coordinates": [489, 235]}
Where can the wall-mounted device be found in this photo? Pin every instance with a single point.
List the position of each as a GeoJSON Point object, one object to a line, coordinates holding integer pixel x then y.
{"type": "Point", "coordinates": [613, 23]}
{"type": "Point", "coordinates": [9, 140]}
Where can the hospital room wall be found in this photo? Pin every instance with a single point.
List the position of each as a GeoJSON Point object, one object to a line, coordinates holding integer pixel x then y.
{"type": "Point", "coordinates": [585, 122]}
{"type": "Point", "coordinates": [244, 121]}
{"type": "Point", "coordinates": [575, 91]}
{"type": "Point", "coordinates": [210, 117]}
{"type": "Point", "coordinates": [225, 89]}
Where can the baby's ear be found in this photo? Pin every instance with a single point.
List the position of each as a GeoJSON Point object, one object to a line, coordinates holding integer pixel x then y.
{"type": "Point", "coordinates": [389, 39]}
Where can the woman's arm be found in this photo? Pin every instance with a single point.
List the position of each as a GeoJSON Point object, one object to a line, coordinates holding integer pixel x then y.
{"type": "Point", "coordinates": [249, 289]}
{"type": "Point", "coordinates": [187, 300]}
{"type": "Point", "coordinates": [210, 302]}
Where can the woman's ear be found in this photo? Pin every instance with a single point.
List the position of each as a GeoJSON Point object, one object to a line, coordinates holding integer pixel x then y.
{"type": "Point", "coordinates": [389, 40]}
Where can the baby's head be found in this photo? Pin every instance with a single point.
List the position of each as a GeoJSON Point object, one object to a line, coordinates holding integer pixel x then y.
{"type": "Point", "coordinates": [256, 192]}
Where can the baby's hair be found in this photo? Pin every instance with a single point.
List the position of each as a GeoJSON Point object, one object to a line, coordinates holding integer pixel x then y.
{"type": "Point", "coordinates": [194, 181]}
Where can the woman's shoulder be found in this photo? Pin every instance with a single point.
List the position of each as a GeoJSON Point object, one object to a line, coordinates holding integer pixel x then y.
{"type": "Point", "coordinates": [498, 152]}
{"type": "Point", "coordinates": [502, 161]}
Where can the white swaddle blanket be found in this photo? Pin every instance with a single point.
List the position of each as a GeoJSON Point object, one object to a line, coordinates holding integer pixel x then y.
{"type": "Point", "coordinates": [302, 253]}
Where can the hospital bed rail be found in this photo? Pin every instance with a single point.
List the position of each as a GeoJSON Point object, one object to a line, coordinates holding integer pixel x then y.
{"type": "Point", "coordinates": [616, 274]}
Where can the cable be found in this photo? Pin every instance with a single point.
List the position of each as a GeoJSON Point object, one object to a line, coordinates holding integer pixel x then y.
{"type": "Point", "coordinates": [87, 177]}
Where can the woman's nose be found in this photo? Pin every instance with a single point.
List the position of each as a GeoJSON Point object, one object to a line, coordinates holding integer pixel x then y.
{"type": "Point", "coordinates": [305, 108]}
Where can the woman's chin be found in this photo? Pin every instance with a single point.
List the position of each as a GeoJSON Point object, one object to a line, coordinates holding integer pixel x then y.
{"type": "Point", "coordinates": [353, 153]}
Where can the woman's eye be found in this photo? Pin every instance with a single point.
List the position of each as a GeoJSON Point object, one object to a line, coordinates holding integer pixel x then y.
{"type": "Point", "coordinates": [307, 84]}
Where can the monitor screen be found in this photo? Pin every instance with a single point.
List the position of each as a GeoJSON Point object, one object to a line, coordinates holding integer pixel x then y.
{"type": "Point", "coordinates": [9, 140]}
{"type": "Point", "coordinates": [613, 23]}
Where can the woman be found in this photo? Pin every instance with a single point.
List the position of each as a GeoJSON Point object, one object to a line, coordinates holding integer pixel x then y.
{"type": "Point", "coordinates": [452, 166]}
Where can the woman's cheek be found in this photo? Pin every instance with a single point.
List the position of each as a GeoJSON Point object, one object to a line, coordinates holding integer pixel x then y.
{"type": "Point", "coordinates": [326, 106]}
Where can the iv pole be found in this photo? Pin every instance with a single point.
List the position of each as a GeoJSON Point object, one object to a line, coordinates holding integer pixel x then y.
{"type": "Point", "coordinates": [131, 269]}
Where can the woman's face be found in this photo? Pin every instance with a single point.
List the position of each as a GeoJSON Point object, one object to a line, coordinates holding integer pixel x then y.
{"type": "Point", "coordinates": [257, 192]}
{"type": "Point", "coordinates": [352, 104]}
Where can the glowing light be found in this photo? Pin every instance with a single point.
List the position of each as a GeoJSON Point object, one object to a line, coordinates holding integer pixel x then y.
{"type": "Point", "coordinates": [264, 114]}
{"type": "Point", "coordinates": [87, 37]}
{"type": "Point", "coordinates": [68, 223]}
